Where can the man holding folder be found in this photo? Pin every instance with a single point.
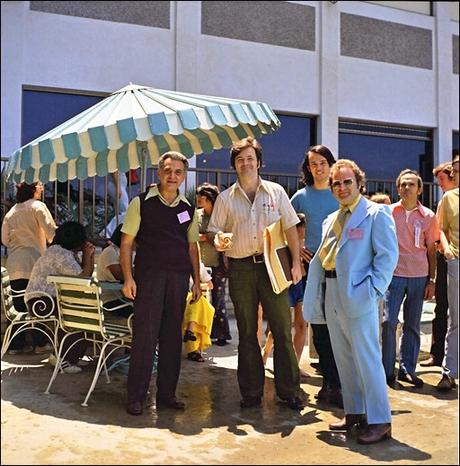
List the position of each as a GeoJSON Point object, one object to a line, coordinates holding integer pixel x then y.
{"type": "Point", "coordinates": [245, 210]}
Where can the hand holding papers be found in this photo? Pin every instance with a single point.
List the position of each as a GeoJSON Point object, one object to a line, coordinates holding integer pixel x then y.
{"type": "Point", "coordinates": [277, 257]}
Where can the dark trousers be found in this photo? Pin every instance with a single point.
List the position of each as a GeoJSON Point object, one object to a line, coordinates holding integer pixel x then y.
{"type": "Point", "coordinates": [44, 305]}
{"type": "Point", "coordinates": [158, 311]}
{"type": "Point", "coordinates": [220, 326]}
{"type": "Point", "coordinates": [20, 284]}
{"type": "Point", "coordinates": [322, 342]}
{"type": "Point", "coordinates": [439, 323]}
{"type": "Point", "coordinates": [249, 284]}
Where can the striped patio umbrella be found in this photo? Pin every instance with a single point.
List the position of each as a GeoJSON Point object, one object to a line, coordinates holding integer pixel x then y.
{"type": "Point", "coordinates": [132, 128]}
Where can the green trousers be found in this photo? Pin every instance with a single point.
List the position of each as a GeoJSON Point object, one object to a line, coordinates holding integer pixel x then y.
{"type": "Point", "coordinates": [250, 284]}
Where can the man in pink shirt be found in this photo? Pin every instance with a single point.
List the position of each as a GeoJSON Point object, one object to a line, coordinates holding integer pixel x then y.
{"type": "Point", "coordinates": [413, 279]}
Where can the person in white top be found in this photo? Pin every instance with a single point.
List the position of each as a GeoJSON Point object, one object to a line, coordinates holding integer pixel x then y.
{"type": "Point", "coordinates": [27, 228]}
{"type": "Point", "coordinates": [244, 210]}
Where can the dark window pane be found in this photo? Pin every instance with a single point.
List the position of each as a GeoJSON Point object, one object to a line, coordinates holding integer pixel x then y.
{"type": "Point", "coordinates": [43, 111]}
{"type": "Point", "coordinates": [283, 151]}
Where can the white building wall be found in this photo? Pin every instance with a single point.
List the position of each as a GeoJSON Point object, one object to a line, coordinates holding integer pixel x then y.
{"type": "Point", "coordinates": [70, 52]}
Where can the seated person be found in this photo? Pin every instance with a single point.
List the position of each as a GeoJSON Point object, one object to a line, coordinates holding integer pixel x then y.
{"type": "Point", "coordinates": [198, 318]}
{"type": "Point", "coordinates": [61, 259]}
{"type": "Point", "coordinates": [109, 269]}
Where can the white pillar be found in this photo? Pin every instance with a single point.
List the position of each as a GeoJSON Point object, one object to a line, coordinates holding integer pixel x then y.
{"type": "Point", "coordinates": [187, 29]}
{"type": "Point", "coordinates": [329, 54]}
{"type": "Point", "coordinates": [442, 63]}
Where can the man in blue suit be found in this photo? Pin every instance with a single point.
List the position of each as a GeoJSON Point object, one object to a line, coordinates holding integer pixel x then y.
{"type": "Point", "coordinates": [349, 273]}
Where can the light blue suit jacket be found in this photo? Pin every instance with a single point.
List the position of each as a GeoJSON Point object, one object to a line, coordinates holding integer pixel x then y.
{"type": "Point", "coordinates": [367, 255]}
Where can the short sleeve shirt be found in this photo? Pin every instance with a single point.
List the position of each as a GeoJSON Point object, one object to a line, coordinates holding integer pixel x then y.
{"type": "Point", "coordinates": [415, 233]}
{"type": "Point", "coordinates": [109, 256]}
{"type": "Point", "coordinates": [316, 205]}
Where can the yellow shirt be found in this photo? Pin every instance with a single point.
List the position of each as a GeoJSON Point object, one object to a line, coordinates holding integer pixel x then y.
{"type": "Point", "coordinates": [449, 218]}
{"type": "Point", "coordinates": [329, 261]}
{"type": "Point", "coordinates": [132, 220]}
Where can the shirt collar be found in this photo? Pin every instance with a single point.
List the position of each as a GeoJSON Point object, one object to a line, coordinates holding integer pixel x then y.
{"type": "Point", "coordinates": [351, 207]}
{"type": "Point", "coordinates": [237, 186]}
{"type": "Point", "coordinates": [154, 191]}
{"type": "Point", "coordinates": [419, 207]}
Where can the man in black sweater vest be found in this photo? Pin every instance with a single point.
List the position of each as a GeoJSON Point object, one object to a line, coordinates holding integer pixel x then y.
{"type": "Point", "coordinates": [165, 228]}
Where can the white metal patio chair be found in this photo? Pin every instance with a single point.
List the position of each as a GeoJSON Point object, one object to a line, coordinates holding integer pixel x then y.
{"type": "Point", "coordinates": [19, 322]}
{"type": "Point", "coordinates": [81, 310]}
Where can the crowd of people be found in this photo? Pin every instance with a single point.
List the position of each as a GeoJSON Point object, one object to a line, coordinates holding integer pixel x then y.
{"type": "Point", "coordinates": [351, 256]}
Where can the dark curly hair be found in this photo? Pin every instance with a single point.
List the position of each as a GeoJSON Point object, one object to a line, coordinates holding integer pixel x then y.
{"type": "Point", "coordinates": [209, 191]}
{"type": "Point", "coordinates": [70, 235]}
{"type": "Point", "coordinates": [25, 191]}
{"type": "Point", "coordinates": [318, 149]}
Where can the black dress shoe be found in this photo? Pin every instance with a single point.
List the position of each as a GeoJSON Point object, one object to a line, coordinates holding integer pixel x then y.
{"type": "Point", "coordinates": [391, 380]}
{"type": "Point", "coordinates": [431, 361]}
{"type": "Point", "coordinates": [172, 403]}
{"type": "Point", "coordinates": [296, 403]}
{"type": "Point", "coordinates": [410, 378]}
{"type": "Point", "coordinates": [189, 336]}
{"type": "Point", "coordinates": [251, 402]}
{"type": "Point", "coordinates": [221, 342]}
{"type": "Point", "coordinates": [375, 433]}
{"type": "Point", "coordinates": [134, 408]}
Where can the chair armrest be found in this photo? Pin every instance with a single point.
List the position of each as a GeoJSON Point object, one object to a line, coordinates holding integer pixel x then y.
{"type": "Point", "coordinates": [40, 305]}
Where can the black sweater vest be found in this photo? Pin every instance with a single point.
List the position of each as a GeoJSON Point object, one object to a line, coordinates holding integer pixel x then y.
{"type": "Point", "coordinates": [162, 238]}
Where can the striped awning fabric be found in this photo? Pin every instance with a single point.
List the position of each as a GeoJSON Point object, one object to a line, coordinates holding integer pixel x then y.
{"type": "Point", "coordinates": [117, 132]}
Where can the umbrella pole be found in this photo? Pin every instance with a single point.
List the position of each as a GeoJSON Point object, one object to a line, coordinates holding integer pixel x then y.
{"type": "Point", "coordinates": [144, 166]}
{"type": "Point", "coordinates": [81, 201]}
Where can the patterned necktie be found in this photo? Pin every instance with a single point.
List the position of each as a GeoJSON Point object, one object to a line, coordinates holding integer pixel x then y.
{"type": "Point", "coordinates": [329, 249]}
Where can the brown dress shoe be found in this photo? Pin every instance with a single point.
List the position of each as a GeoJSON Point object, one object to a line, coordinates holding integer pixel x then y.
{"type": "Point", "coordinates": [172, 403]}
{"type": "Point", "coordinates": [349, 421]}
{"type": "Point", "coordinates": [134, 408]}
{"type": "Point", "coordinates": [446, 383]}
{"type": "Point", "coordinates": [375, 433]}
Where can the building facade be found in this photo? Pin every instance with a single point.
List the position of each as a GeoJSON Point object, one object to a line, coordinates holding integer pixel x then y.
{"type": "Point", "coordinates": [375, 81]}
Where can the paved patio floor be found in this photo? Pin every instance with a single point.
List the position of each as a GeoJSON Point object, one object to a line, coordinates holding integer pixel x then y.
{"type": "Point", "coordinates": [55, 429]}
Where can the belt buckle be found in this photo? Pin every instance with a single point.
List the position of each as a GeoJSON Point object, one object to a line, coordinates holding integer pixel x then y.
{"type": "Point", "coordinates": [255, 258]}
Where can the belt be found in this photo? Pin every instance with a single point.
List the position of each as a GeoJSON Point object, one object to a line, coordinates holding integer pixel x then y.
{"type": "Point", "coordinates": [330, 273]}
{"type": "Point", "coordinates": [256, 258]}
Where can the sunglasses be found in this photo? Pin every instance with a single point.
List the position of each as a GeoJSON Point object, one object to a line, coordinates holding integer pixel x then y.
{"type": "Point", "coordinates": [347, 182]}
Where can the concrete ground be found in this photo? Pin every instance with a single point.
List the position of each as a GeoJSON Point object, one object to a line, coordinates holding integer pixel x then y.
{"type": "Point", "coordinates": [55, 429]}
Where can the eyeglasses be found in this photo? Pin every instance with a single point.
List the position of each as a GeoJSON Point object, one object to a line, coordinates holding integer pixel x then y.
{"type": "Point", "coordinates": [347, 182]}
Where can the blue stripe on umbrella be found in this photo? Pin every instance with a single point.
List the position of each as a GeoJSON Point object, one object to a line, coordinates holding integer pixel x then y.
{"type": "Point", "coordinates": [101, 163]}
{"type": "Point", "coordinates": [126, 130]}
{"type": "Point", "coordinates": [46, 152]}
{"type": "Point", "coordinates": [62, 172]}
{"type": "Point", "coordinates": [188, 119]}
{"type": "Point", "coordinates": [72, 147]}
{"type": "Point", "coordinates": [26, 158]}
{"type": "Point", "coordinates": [158, 123]}
{"type": "Point", "coordinates": [239, 113]}
{"type": "Point", "coordinates": [216, 114]}
{"type": "Point", "coordinates": [29, 176]}
{"type": "Point", "coordinates": [98, 138]}
{"type": "Point", "coordinates": [122, 159]}
{"type": "Point", "coordinates": [82, 168]}
{"type": "Point", "coordinates": [44, 173]}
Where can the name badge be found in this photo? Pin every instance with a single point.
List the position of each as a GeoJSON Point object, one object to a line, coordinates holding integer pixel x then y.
{"type": "Point", "coordinates": [355, 233]}
{"type": "Point", "coordinates": [183, 216]}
